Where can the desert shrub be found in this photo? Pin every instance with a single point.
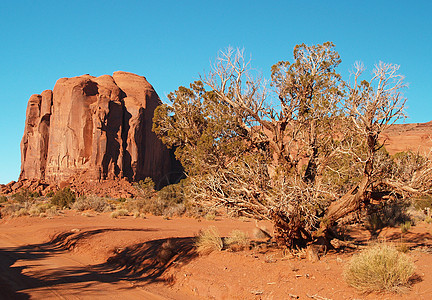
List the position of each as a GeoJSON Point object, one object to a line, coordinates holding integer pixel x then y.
{"type": "Point", "coordinates": [40, 208]}
{"type": "Point", "coordinates": [50, 212]}
{"type": "Point", "coordinates": [3, 199]}
{"type": "Point", "coordinates": [145, 188]}
{"type": "Point", "coordinates": [11, 209]}
{"type": "Point", "coordinates": [21, 212]}
{"type": "Point", "coordinates": [35, 211]}
{"type": "Point", "coordinates": [405, 227]}
{"type": "Point", "coordinates": [119, 213]}
{"type": "Point", "coordinates": [24, 196]}
{"type": "Point", "coordinates": [168, 202]}
{"type": "Point", "coordinates": [91, 202]}
{"type": "Point", "coordinates": [379, 268]}
{"type": "Point", "coordinates": [173, 193]}
{"type": "Point", "coordinates": [63, 198]}
{"type": "Point", "coordinates": [390, 213]}
{"type": "Point", "coordinates": [237, 240]}
{"type": "Point", "coordinates": [208, 241]}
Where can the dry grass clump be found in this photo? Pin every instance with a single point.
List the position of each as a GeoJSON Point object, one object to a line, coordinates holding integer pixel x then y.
{"type": "Point", "coordinates": [35, 208]}
{"type": "Point", "coordinates": [208, 241]}
{"type": "Point", "coordinates": [21, 212]}
{"type": "Point", "coordinates": [405, 227]}
{"type": "Point", "coordinates": [119, 213]}
{"type": "Point", "coordinates": [43, 209]}
{"type": "Point", "coordinates": [91, 202]}
{"type": "Point", "coordinates": [379, 268]}
{"type": "Point", "coordinates": [237, 240]}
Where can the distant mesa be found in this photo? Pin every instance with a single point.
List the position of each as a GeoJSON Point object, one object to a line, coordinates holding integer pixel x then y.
{"type": "Point", "coordinates": [90, 129]}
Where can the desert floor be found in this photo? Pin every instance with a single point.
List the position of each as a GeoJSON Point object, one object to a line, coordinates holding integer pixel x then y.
{"type": "Point", "coordinates": [93, 256]}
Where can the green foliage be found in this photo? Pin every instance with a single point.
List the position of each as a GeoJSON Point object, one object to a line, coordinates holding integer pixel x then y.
{"type": "Point", "coordinates": [24, 195]}
{"type": "Point", "coordinates": [146, 188]}
{"type": "Point", "coordinates": [63, 198]}
{"type": "Point", "coordinates": [173, 193]}
{"type": "Point", "coordinates": [202, 129]}
{"type": "Point", "coordinates": [314, 88]}
{"type": "Point", "coordinates": [380, 268]}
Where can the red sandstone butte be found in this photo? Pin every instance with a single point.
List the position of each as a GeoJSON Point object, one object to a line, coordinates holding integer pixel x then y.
{"type": "Point", "coordinates": [94, 128]}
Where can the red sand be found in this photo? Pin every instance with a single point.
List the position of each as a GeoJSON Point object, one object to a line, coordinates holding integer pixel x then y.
{"type": "Point", "coordinates": [87, 257]}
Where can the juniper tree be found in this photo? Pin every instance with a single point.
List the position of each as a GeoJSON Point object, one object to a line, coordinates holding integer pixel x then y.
{"type": "Point", "coordinates": [277, 160]}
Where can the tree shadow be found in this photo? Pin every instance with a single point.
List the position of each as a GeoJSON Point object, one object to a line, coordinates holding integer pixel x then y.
{"type": "Point", "coordinates": [68, 240]}
{"type": "Point", "coordinates": [145, 262]}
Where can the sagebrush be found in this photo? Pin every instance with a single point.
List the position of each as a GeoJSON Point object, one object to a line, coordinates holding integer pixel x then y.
{"type": "Point", "coordinates": [380, 268]}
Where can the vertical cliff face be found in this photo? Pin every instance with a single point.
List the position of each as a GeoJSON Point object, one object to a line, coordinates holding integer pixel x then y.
{"type": "Point", "coordinates": [94, 129]}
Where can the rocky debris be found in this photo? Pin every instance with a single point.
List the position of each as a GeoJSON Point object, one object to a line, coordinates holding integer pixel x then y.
{"type": "Point", "coordinates": [34, 185]}
{"type": "Point", "coordinates": [120, 188]}
{"type": "Point", "coordinates": [91, 129]}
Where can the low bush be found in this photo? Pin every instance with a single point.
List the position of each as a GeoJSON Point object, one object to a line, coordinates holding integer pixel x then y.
{"type": "Point", "coordinates": [21, 212]}
{"type": "Point", "coordinates": [11, 209]}
{"type": "Point", "coordinates": [167, 202]}
{"type": "Point", "coordinates": [63, 198]}
{"type": "Point", "coordinates": [390, 213]}
{"type": "Point", "coordinates": [91, 202]}
{"type": "Point", "coordinates": [41, 208]}
{"type": "Point", "coordinates": [119, 213]}
{"type": "Point", "coordinates": [208, 241]}
{"type": "Point", "coordinates": [24, 196]}
{"type": "Point", "coordinates": [379, 268]}
{"type": "Point", "coordinates": [145, 188]}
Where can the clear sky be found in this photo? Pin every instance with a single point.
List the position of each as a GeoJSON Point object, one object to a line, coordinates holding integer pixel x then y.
{"type": "Point", "coordinates": [172, 42]}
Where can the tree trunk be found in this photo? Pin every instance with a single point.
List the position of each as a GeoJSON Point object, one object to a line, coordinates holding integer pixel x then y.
{"type": "Point", "coordinates": [346, 204]}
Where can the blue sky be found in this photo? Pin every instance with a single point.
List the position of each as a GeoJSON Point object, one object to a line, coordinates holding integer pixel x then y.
{"type": "Point", "coordinates": [172, 42]}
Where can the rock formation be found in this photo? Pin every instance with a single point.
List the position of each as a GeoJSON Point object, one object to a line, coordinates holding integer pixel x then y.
{"type": "Point", "coordinates": [93, 129]}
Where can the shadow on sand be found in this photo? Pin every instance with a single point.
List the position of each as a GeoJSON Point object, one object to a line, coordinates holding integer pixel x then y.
{"type": "Point", "coordinates": [144, 262]}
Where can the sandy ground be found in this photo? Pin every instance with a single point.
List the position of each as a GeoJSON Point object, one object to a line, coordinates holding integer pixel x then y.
{"type": "Point", "coordinates": [93, 256]}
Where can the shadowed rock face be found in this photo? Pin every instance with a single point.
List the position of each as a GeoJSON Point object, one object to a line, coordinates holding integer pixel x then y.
{"type": "Point", "coordinates": [93, 129]}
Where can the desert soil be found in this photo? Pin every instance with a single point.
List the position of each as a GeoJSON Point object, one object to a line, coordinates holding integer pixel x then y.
{"type": "Point", "coordinates": [92, 256]}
